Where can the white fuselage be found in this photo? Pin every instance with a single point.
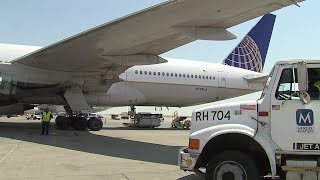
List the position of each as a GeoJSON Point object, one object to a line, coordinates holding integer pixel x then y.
{"type": "Point", "coordinates": [175, 83]}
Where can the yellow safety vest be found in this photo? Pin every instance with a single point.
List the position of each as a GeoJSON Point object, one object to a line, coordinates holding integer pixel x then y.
{"type": "Point", "coordinates": [317, 84]}
{"type": "Point", "coordinates": [46, 117]}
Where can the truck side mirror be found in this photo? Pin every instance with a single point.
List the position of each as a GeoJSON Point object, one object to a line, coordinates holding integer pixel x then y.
{"type": "Point", "coordinates": [303, 82]}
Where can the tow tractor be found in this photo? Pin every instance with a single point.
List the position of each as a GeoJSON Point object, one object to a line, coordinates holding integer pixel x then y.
{"type": "Point", "coordinates": [180, 121]}
{"type": "Point", "coordinates": [144, 120]}
{"type": "Point", "coordinates": [274, 137]}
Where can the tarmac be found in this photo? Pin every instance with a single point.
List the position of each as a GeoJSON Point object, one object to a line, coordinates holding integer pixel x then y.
{"type": "Point", "coordinates": [115, 152]}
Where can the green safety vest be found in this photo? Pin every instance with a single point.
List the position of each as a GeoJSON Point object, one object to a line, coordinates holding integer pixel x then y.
{"type": "Point", "coordinates": [317, 84]}
{"type": "Point", "coordinates": [46, 117]}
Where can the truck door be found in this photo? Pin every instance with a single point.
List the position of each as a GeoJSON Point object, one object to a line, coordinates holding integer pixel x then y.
{"type": "Point", "coordinates": [294, 125]}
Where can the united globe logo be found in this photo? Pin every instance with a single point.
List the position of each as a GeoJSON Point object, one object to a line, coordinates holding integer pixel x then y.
{"type": "Point", "coordinates": [247, 56]}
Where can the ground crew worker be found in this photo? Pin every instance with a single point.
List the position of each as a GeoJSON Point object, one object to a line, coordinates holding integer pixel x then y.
{"type": "Point", "coordinates": [46, 117]}
{"type": "Point", "coordinates": [314, 84]}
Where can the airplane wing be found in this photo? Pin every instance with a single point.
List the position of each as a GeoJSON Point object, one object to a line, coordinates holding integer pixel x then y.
{"type": "Point", "coordinates": [139, 38]}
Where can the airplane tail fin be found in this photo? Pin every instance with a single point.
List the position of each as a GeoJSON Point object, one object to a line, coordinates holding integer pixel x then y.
{"type": "Point", "coordinates": [251, 52]}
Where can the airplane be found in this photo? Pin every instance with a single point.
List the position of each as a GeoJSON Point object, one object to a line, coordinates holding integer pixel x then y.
{"type": "Point", "coordinates": [118, 63]}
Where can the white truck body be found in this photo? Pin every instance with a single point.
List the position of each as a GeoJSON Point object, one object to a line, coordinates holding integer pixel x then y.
{"type": "Point", "coordinates": [278, 133]}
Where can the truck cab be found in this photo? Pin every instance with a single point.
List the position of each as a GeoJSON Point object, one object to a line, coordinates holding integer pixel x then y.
{"type": "Point", "coordinates": [274, 137]}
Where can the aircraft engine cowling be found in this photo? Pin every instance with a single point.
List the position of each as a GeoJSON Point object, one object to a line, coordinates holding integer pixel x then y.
{"type": "Point", "coordinates": [7, 88]}
{"type": "Point", "coordinates": [14, 109]}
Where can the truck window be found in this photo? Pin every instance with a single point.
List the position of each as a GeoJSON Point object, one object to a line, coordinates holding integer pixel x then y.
{"type": "Point", "coordinates": [288, 85]}
{"type": "Point", "coordinates": [314, 83]}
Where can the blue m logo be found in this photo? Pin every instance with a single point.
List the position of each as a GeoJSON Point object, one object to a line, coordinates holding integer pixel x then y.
{"type": "Point", "coordinates": [304, 117]}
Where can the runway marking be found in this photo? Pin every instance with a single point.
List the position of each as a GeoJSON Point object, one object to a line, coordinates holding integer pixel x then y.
{"type": "Point", "coordinates": [8, 154]}
{"type": "Point", "coordinates": [125, 176]}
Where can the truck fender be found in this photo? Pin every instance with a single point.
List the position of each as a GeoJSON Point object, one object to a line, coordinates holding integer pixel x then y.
{"type": "Point", "coordinates": [248, 131]}
{"type": "Point", "coordinates": [265, 144]}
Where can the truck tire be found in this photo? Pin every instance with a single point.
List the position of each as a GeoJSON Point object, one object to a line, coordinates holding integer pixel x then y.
{"type": "Point", "coordinates": [95, 124]}
{"type": "Point", "coordinates": [231, 165]}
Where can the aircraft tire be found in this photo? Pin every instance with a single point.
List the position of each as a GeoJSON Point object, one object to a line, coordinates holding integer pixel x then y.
{"type": "Point", "coordinates": [79, 123]}
{"type": "Point", "coordinates": [65, 123]}
{"type": "Point", "coordinates": [95, 124]}
{"type": "Point", "coordinates": [58, 121]}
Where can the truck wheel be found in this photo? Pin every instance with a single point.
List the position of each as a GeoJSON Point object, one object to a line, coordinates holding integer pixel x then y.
{"type": "Point", "coordinates": [232, 165]}
{"type": "Point", "coordinates": [95, 124]}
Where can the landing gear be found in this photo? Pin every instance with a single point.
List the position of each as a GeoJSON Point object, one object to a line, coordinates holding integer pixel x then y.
{"type": "Point", "coordinates": [78, 123]}
{"type": "Point", "coordinates": [75, 103]}
{"type": "Point", "coordinates": [63, 122]}
{"type": "Point", "coordinates": [95, 124]}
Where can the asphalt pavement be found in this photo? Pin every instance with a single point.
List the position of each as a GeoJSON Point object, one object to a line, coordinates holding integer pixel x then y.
{"type": "Point", "coordinates": [115, 152]}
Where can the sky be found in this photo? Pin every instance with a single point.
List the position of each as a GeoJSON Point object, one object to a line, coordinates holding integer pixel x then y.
{"type": "Point", "coordinates": [41, 23]}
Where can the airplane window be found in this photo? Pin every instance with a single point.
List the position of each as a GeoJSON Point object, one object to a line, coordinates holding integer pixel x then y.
{"type": "Point", "coordinates": [176, 74]}
{"type": "Point", "coordinates": [195, 76]}
{"type": "Point", "coordinates": [207, 77]}
{"type": "Point", "coordinates": [203, 77]}
{"type": "Point", "coordinates": [191, 75]}
{"type": "Point", "coordinates": [140, 72]}
{"type": "Point", "coordinates": [184, 75]}
{"type": "Point", "coordinates": [159, 73]}
{"type": "Point", "coordinates": [171, 74]}
{"type": "Point", "coordinates": [210, 77]}
{"type": "Point", "coordinates": [150, 72]}
{"type": "Point", "coordinates": [163, 74]}
{"type": "Point", "coordinates": [179, 75]}
{"type": "Point", "coordinates": [199, 77]}
{"type": "Point", "coordinates": [214, 78]}
{"type": "Point", "coordinates": [167, 74]}
{"type": "Point", "coordinates": [154, 73]}
{"type": "Point", "coordinates": [137, 72]}
{"type": "Point", "coordinates": [188, 76]}
{"type": "Point", "coordinates": [145, 72]}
